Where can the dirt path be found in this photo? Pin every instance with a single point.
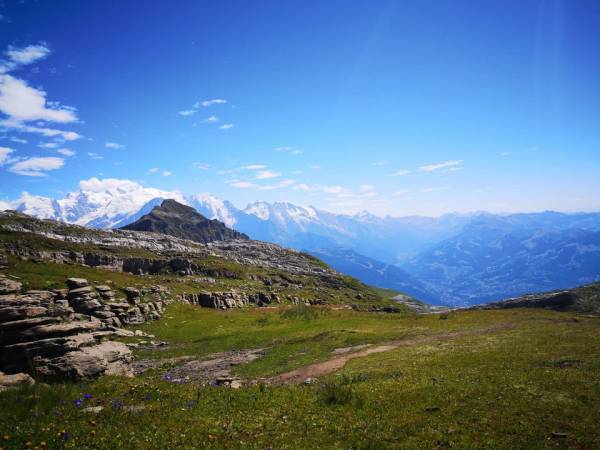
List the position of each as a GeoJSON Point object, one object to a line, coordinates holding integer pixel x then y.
{"type": "Point", "coordinates": [299, 375]}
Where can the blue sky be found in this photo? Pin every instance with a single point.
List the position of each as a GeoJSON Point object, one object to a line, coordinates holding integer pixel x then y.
{"type": "Point", "coordinates": [394, 107]}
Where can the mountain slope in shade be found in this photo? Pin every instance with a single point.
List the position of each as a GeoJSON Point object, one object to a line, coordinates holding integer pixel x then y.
{"type": "Point", "coordinates": [375, 273]}
{"type": "Point", "coordinates": [582, 299]}
{"type": "Point", "coordinates": [176, 219]}
{"type": "Point", "coordinates": [494, 259]}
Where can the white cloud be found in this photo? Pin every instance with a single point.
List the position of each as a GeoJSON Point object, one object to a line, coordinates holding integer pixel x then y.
{"type": "Point", "coordinates": [290, 150]}
{"type": "Point", "coordinates": [254, 167]}
{"type": "Point", "coordinates": [367, 187]}
{"type": "Point", "coordinates": [505, 154]}
{"type": "Point", "coordinates": [48, 132]}
{"type": "Point", "coordinates": [21, 102]}
{"type": "Point", "coordinates": [280, 185]}
{"type": "Point", "coordinates": [400, 192]}
{"type": "Point", "coordinates": [380, 163]}
{"type": "Point", "coordinates": [187, 112]}
{"type": "Point", "coordinates": [226, 126]}
{"type": "Point", "coordinates": [114, 145]}
{"type": "Point", "coordinates": [443, 165]}
{"type": "Point", "coordinates": [242, 184]}
{"type": "Point", "coordinates": [297, 172]}
{"type": "Point", "coordinates": [66, 151]}
{"type": "Point", "coordinates": [399, 173]}
{"type": "Point", "coordinates": [212, 119]}
{"type": "Point", "coordinates": [4, 152]}
{"type": "Point", "coordinates": [225, 172]}
{"type": "Point", "coordinates": [434, 189]}
{"type": "Point", "coordinates": [27, 55]}
{"type": "Point", "coordinates": [166, 173]}
{"type": "Point", "coordinates": [302, 187]}
{"type": "Point", "coordinates": [333, 189]}
{"type": "Point", "coordinates": [18, 140]}
{"type": "Point", "coordinates": [153, 170]}
{"type": "Point", "coordinates": [214, 101]}
{"type": "Point", "coordinates": [36, 166]}
{"type": "Point", "coordinates": [266, 174]}
{"type": "Point", "coordinates": [314, 167]}
{"type": "Point", "coordinates": [95, 155]}
{"type": "Point", "coordinates": [201, 166]}
{"type": "Point", "coordinates": [48, 145]}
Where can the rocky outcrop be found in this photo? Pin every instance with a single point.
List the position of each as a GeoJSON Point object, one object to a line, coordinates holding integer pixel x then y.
{"type": "Point", "coordinates": [62, 333]}
{"type": "Point", "coordinates": [230, 299]}
{"type": "Point", "coordinates": [165, 253]}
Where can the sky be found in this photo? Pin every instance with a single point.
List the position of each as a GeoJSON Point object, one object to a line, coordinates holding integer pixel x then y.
{"type": "Point", "coordinates": [395, 107]}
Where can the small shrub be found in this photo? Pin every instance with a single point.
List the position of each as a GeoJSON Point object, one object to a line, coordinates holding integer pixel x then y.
{"type": "Point", "coordinates": [444, 316]}
{"type": "Point", "coordinates": [335, 393]}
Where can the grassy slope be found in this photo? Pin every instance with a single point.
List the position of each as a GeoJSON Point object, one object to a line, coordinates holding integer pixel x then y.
{"type": "Point", "coordinates": [510, 389]}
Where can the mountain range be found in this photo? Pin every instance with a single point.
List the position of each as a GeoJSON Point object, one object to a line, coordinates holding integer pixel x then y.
{"type": "Point", "coordinates": [454, 259]}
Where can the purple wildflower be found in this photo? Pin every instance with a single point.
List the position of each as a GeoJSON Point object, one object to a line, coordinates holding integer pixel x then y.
{"type": "Point", "coordinates": [78, 402]}
{"type": "Point", "coordinates": [87, 396]}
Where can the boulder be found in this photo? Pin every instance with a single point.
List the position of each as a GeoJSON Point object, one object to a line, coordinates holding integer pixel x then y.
{"type": "Point", "coordinates": [106, 358]}
{"type": "Point", "coordinates": [8, 286]}
{"type": "Point", "coordinates": [76, 283]}
{"type": "Point", "coordinates": [15, 380]}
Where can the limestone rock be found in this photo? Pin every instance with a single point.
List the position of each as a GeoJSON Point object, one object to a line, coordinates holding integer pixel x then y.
{"type": "Point", "coordinates": [76, 283]}
{"type": "Point", "coordinates": [8, 286]}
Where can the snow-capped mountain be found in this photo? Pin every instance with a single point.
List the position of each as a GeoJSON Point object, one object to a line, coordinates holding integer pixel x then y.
{"type": "Point", "coordinates": [98, 203]}
{"type": "Point", "coordinates": [456, 258]}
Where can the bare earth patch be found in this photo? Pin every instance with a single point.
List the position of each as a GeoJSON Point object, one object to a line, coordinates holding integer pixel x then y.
{"type": "Point", "coordinates": [344, 355]}
{"type": "Point", "coordinates": [188, 370]}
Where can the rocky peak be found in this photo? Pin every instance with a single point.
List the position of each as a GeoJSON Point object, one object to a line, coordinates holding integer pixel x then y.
{"type": "Point", "coordinates": [175, 219]}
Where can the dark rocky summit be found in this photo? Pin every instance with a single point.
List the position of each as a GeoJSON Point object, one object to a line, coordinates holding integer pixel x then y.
{"type": "Point", "coordinates": [184, 222]}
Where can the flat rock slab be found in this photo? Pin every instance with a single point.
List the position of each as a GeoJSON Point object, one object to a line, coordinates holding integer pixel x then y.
{"type": "Point", "coordinates": [216, 366]}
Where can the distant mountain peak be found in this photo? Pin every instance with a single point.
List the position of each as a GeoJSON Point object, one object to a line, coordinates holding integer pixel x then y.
{"type": "Point", "coordinates": [176, 219]}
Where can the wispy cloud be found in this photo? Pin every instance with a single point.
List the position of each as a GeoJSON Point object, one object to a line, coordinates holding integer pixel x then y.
{"type": "Point", "coordinates": [400, 192]}
{"type": "Point", "coordinates": [366, 187]}
{"type": "Point", "coordinates": [114, 145]}
{"type": "Point", "coordinates": [253, 167]}
{"type": "Point", "coordinates": [4, 154]}
{"type": "Point", "coordinates": [18, 140]}
{"type": "Point", "coordinates": [400, 173]}
{"type": "Point", "coordinates": [36, 166]}
{"type": "Point", "coordinates": [443, 165]}
{"type": "Point", "coordinates": [242, 184]}
{"type": "Point", "coordinates": [290, 150]}
{"type": "Point", "coordinates": [381, 163]}
{"type": "Point", "coordinates": [226, 126]}
{"type": "Point", "coordinates": [48, 145]}
{"type": "Point", "coordinates": [201, 166]}
{"type": "Point", "coordinates": [153, 170]}
{"type": "Point", "coordinates": [505, 154]}
{"type": "Point", "coordinates": [434, 189]}
{"type": "Point", "coordinates": [314, 167]}
{"type": "Point", "coordinates": [166, 173]}
{"type": "Point", "coordinates": [214, 101]}
{"type": "Point", "coordinates": [27, 55]}
{"type": "Point", "coordinates": [95, 155]}
{"type": "Point", "coordinates": [66, 151]}
{"type": "Point", "coordinates": [266, 174]}
{"type": "Point", "coordinates": [188, 112]}
{"type": "Point", "coordinates": [212, 119]}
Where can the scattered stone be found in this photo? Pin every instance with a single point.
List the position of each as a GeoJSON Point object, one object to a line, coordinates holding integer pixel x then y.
{"type": "Point", "coordinates": [15, 380]}
{"type": "Point", "coordinates": [93, 409]}
{"type": "Point", "coordinates": [76, 283]}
